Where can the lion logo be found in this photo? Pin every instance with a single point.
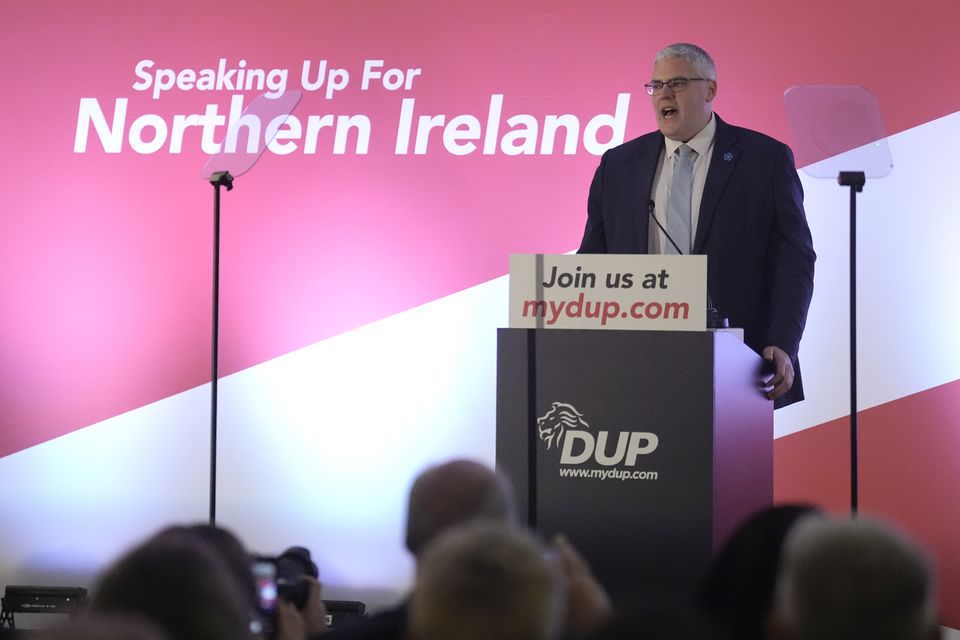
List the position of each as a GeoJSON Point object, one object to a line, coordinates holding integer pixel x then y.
{"type": "Point", "coordinates": [555, 422]}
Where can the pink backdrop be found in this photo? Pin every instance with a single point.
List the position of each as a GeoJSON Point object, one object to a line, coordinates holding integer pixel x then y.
{"type": "Point", "coordinates": [106, 257]}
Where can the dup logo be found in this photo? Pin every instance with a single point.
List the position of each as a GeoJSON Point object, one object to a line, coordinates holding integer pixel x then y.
{"type": "Point", "coordinates": [564, 428]}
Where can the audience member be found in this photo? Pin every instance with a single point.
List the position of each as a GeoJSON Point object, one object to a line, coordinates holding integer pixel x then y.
{"type": "Point", "coordinates": [853, 579]}
{"type": "Point", "coordinates": [180, 583]}
{"type": "Point", "coordinates": [454, 493]}
{"type": "Point", "coordinates": [486, 581]}
{"type": "Point", "coordinates": [230, 549]}
{"type": "Point", "coordinates": [738, 588]}
{"type": "Point", "coordinates": [441, 497]}
{"type": "Point", "coordinates": [460, 492]}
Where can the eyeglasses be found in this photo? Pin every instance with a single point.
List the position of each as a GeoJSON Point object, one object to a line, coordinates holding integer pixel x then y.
{"type": "Point", "coordinates": [674, 84]}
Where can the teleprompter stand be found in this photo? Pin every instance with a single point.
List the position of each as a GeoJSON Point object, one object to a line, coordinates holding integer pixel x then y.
{"type": "Point", "coordinates": [262, 120]}
{"type": "Point", "coordinates": [218, 179]}
{"type": "Point", "coordinates": [855, 180]}
{"type": "Point", "coordinates": [836, 127]}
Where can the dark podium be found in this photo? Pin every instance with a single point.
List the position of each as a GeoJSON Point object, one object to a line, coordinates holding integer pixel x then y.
{"type": "Point", "coordinates": [645, 448]}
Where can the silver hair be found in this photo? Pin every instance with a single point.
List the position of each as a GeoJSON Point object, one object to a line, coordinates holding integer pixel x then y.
{"type": "Point", "coordinates": [487, 580]}
{"type": "Point", "coordinates": [694, 54]}
{"type": "Point", "coordinates": [854, 578]}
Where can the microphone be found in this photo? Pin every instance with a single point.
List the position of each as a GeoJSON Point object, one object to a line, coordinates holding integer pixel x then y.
{"type": "Point", "coordinates": [650, 206]}
{"type": "Point", "coordinates": [714, 319]}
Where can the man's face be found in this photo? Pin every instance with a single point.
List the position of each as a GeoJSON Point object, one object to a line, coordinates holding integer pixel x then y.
{"type": "Point", "coordinates": [680, 116]}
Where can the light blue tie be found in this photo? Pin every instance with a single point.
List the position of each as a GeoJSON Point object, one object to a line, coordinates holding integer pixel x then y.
{"type": "Point", "coordinates": [678, 211]}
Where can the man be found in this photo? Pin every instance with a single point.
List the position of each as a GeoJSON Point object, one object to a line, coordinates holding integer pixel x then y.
{"type": "Point", "coordinates": [441, 497]}
{"type": "Point", "coordinates": [736, 198]}
{"type": "Point", "coordinates": [853, 578]}
{"type": "Point", "coordinates": [181, 584]}
{"type": "Point", "coordinates": [463, 492]}
{"type": "Point", "coordinates": [484, 581]}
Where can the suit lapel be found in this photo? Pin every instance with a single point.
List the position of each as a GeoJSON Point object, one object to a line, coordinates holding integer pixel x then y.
{"type": "Point", "coordinates": [726, 155]}
{"type": "Point", "coordinates": [645, 169]}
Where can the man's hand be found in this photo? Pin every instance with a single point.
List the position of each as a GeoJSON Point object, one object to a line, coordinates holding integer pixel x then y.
{"type": "Point", "coordinates": [315, 612]}
{"type": "Point", "coordinates": [289, 623]}
{"type": "Point", "coordinates": [782, 376]}
{"type": "Point", "coordinates": [294, 624]}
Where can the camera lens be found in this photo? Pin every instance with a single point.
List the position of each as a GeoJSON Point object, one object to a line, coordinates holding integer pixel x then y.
{"type": "Point", "coordinates": [296, 591]}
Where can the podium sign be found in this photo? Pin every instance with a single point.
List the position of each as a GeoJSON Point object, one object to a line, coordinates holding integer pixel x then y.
{"type": "Point", "coordinates": [652, 292]}
{"type": "Point", "coordinates": [645, 448]}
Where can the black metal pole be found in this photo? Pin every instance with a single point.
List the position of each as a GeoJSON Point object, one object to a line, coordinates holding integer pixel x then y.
{"type": "Point", "coordinates": [218, 179]}
{"type": "Point", "coordinates": [855, 180]}
{"type": "Point", "coordinates": [854, 471]}
{"type": "Point", "coordinates": [532, 435]}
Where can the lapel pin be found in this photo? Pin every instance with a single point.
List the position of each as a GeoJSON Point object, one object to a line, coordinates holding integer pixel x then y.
{"type": "Point", "coordinates": [728, 156]}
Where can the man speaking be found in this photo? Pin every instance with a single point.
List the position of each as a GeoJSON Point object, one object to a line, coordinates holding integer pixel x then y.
{"type": "Point", "coordinates": [699, 185]}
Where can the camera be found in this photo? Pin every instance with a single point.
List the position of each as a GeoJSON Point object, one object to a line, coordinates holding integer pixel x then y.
{"type": "Point", "coordinates": [294, 568]}
{"type": "Point", "coordinates": [285, 577]}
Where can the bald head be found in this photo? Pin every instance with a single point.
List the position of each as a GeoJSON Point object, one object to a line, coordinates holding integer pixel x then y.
{"type": "Point", "coordinates": [454, 493]}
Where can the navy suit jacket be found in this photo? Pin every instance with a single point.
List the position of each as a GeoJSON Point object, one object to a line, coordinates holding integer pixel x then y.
{"type": "Point", "coordinates": [752, 227]}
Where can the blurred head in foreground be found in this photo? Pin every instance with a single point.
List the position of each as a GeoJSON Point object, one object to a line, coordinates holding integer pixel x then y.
{"type": "Point", "coordinates": [486, 581]}
{"type": "Point", "coordinates": [845, 579]}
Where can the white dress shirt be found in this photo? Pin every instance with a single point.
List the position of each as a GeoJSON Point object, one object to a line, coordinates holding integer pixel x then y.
{"type": "Point", "coordinates": [702, 143]}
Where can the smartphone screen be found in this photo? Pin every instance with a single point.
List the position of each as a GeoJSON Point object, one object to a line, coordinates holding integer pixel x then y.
{"type": "Point", "coordinates": [265, 578]}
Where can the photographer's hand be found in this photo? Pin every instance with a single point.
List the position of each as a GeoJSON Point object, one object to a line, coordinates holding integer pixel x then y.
{"type": "Point", "coordinates": [315, 611]}
{"type": "Point", "coordinates": [289, 623]}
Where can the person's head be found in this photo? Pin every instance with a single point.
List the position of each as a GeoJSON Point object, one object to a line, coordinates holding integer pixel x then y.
{"type": "Point", "coordinates": [454, 493]}
{"type": "Point", "coordinates": [683, 111]}
{"type": "Point", "coordinates": [738, 587]}
{"type": "Point", "coordinates": [230, 549]}
{"type": "Point", "coordinates": [486, 580]}
{"type": "Point", "coordinates": [177, 581]}
{"type": "Point", "coordinates": [853, 578]}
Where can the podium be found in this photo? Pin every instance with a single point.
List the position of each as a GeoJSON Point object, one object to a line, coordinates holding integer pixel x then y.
{"type": "Point", "coordinates": [646, 448]}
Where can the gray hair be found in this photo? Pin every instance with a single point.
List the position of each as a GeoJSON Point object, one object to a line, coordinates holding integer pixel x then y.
{"type": "Point", "coordinates": [692, 53]}
{"type": "Point", "coordinates": [854, 578]}
{"type": "Point", "coordinates": [486, 580]}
